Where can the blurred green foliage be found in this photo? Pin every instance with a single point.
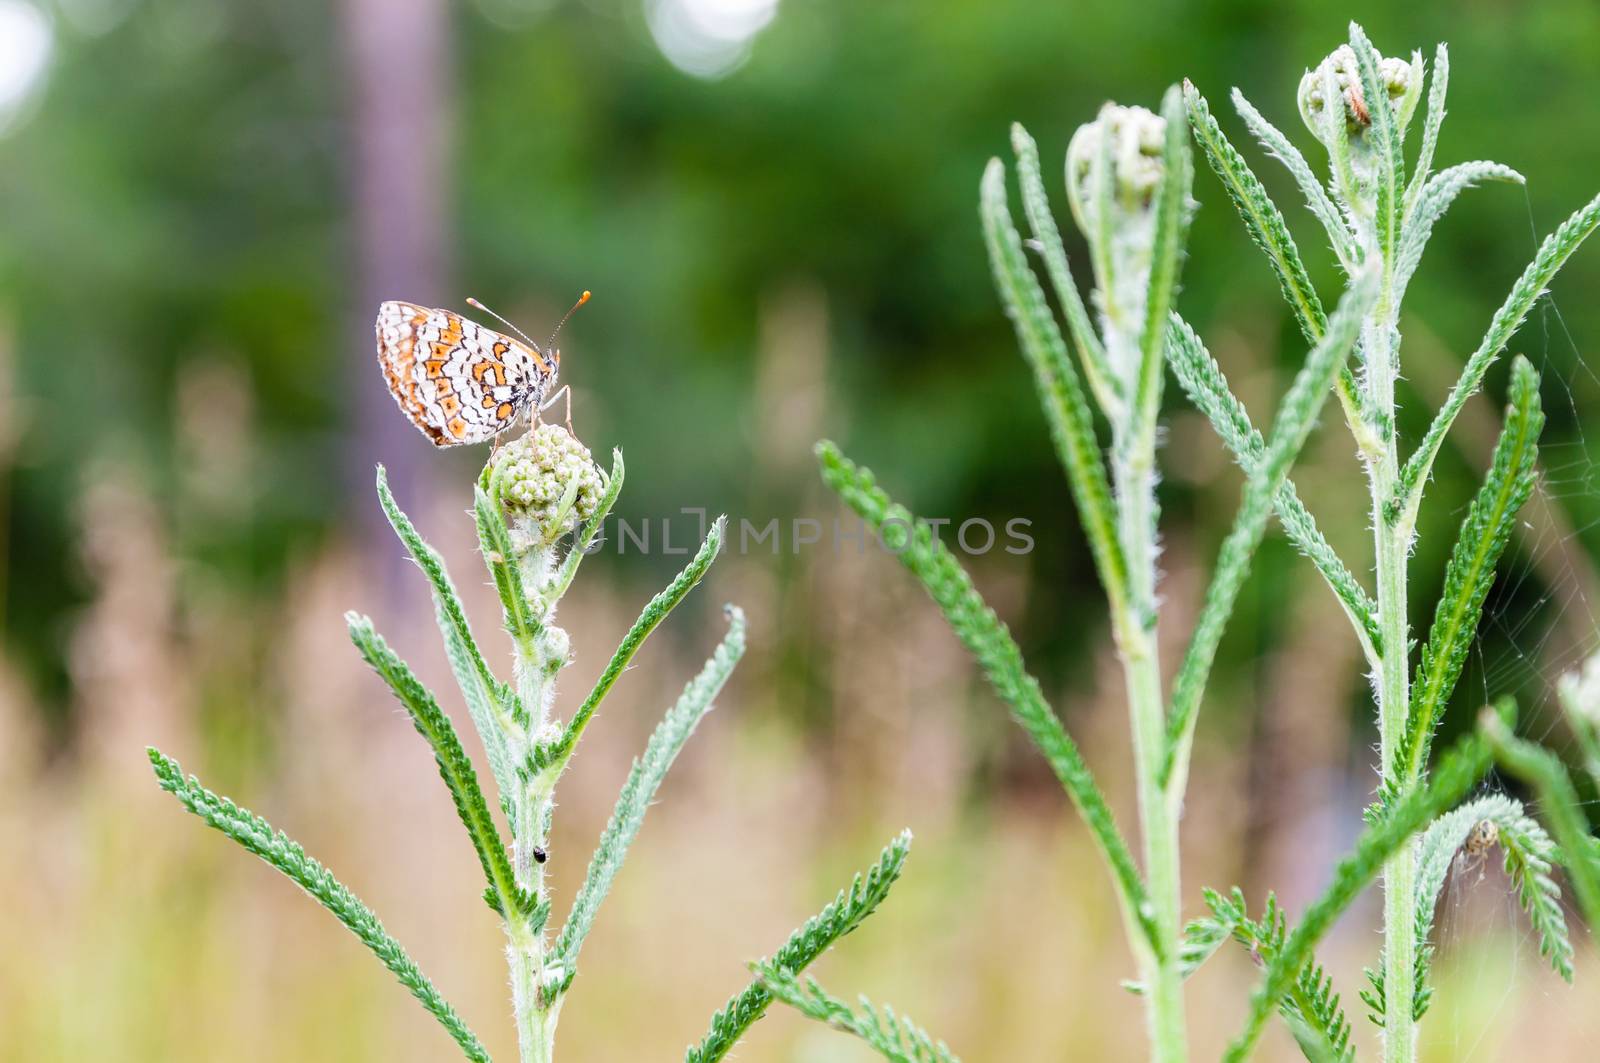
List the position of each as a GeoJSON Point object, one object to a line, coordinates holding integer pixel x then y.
{"type": "Point", "coordinates": [180, 197]}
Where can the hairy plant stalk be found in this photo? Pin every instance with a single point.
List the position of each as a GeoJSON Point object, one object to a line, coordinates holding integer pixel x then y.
{"type": "Point", "coordinates": [1128, 179]}
{"type": "Point", "coordinates": [539, 656]}
{"type": "Point", "coordinates": [1135, 632]}
{"type": "Point", "coordinates": [1158, 821]}
{"type": "Point", "coordinates": [1393, 543]}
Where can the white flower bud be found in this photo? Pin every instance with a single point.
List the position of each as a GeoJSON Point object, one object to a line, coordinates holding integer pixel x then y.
{"type": "Point", "coordinates": [1131, 138]}
{"type": "Point", "coordinates": [547, 476]}
{"type": "Point", "coordinates": [1399, 80]}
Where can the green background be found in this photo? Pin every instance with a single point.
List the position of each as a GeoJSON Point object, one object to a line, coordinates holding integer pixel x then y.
{"type": "Point", "coordinates": [189, 264]}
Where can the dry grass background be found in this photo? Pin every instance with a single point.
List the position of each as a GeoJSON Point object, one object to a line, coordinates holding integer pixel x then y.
{"type": "Point", "coordinates": [1002, 937]}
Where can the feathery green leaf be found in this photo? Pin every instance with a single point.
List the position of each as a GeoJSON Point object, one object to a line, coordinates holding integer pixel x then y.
{"type": "Point", "coordinates": [1171, 210]}
{"type": "Point", "coordinates": [1437, 90]}
{"type": "Point", "coordinates": [1559, 802]}
{"type": "Point", "coordinates": [1310, 1007]}
{"type": "Point", "coordinates": [1483, 538]}
{"type": "Point", "coordinates": [655, 611]}
{"type": "Point", "coordinates": [641, 785]}
{"type": "Point", "coordinates": [1335, 137]}
{"type": "Point", "coordinates": [283, 853]}
{"type": "Point", "coordinates": [499, 557]}
{"type": "Point", "coordinates": [1436, 197]}
{"type": "Point", "coordinates": [1385, 138]}
{"type": "Point", "coordinates": [848, 910]}
{"type": "Point", "coordinates": [1553, 253]}
{"type": "Point", "coordinates": [976, 625]}
{"type": "Point", "coordinates": [1458, 772]}
{"type": "Point", "coordinates": [1202, 380]}
{"type": "Point", "coordinates": [1036, 205]}
{"type": "Point", "coordinates": [485, 696]}
{"type": "Point", "coordinates": [1065, 407]}
{"type": "Point", "coordinates": [1261, 217]}
{"type": "Point", "coordinates": [1282, 149]}
{"type": "Point", "coordinates": [892, 1036]}
{"type": "Point", "coordinates": [1264, 222]}
{"type": "Point", "coordinates": [1528, 855]}
{"type": "Point", "coordinates": [455, 768]}
{"type": "Point", "coordinates": [585, 540]}
{"type": "Point", "coordinates": [1297, 413]}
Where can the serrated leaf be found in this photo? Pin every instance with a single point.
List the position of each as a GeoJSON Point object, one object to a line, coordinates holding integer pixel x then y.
{"type": "Point", "coordinates": [1265, 224]}
{"type": "Point", "coordinates": [848, 911]}
{"type": "Point", "coordinates": [1458, 772]}
{"type": "Point", "coordinates": [584, 542]}
{"type": "Point", "coordinates": [1438, 88]}
{"type": "Point", "coordinates": [1470, 573]}
{"type": "Point", "coordinates": [1296, 415]}
{"type": "Point", "coordinates": [1553, 253]}
{"type": "Point", "coordinates": [1281, 148]}
{"type": "Point", "coordinates": [284, 853]}
{"type": "Point", "coordinates": [1435, 198]}
{"type": "Point", "coordinates": [644, 779]}
{"type": "Point", "coordinates": [1066, 409]}
{"type": "Point", "coordinates": [1385, 138]}
{"type": "Point", "coordinates": [455, 768]}
{"type": "Point", "coordinates": [1171, 211]}
{"type": "Point", "coordinates": [1202, 380]}
{"type": "Point", "coordinates": [981, 631]}
{"type": "Point", "coordinates": [486, 697]}
{"type": "Point", "coordinates": [1309, 1007]}
{"type": "Point", "coordinates": [894, 1037]}
{"type": "Point", "coordinates": [1036, 206]}
{"type": "Point", "coordinates": [654, 612]}
{"type": "Point", "coordinates": [1560, 805]}
{"type": "Point", "coordinates": [499, 557]}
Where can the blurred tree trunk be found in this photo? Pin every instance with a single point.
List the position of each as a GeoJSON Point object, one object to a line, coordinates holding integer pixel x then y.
{"type": "Point", "coordinates": [401, 82]}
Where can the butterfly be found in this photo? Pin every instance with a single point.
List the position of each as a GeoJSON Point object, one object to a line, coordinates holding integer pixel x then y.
{"type": "Point", "coordinates": [458, 381]}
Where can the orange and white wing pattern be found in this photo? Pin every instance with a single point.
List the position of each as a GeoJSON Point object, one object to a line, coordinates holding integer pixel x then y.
{"type": "Point", "coordinates": [458, 382]}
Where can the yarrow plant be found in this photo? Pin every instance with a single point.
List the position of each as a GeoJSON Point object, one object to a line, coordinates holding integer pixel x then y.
{"type": "Point", "coordinates": [538, 505]}
{"type": "Point", "coordinates": [1128, 181]}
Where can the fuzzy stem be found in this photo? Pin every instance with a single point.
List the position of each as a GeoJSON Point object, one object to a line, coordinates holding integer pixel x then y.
{"type": "Point", "coordinates": [535, 992]}
{"type": "Point", "coordinates": [1392, 546]}
{"type": "Point", "coordinates": [1134, 468]}
{"type": "Point", "coordinates": [1399, 875]}
{"type": "Point", "coordinates": [1158, 822]}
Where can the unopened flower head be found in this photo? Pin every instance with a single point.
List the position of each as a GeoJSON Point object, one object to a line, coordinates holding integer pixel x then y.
{"type": "Point", "coordinates": [548, 477]}
{"type": "Point", "coordinates": [1130, 139]}
{"type": "Point", "coordinates": [1401, 81]}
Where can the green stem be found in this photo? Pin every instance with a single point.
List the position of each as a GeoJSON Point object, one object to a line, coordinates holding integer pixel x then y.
{"type": "Point", "coordinates": [1159, 825]}
{"type": "Point", "coordinates": [1392, 545]}
{"type": "Point", "coordinates": [535, 992]}
{"type": "Point", "coordinates": [1135, 627]}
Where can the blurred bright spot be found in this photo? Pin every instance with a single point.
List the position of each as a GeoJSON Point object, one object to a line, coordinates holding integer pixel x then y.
{"type": "Point", "coordinates": [708, 38]}
{"type": "Point", "coordinates": [25, 45]}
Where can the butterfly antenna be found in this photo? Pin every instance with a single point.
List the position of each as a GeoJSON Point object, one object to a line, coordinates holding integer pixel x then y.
{"type": "Point", "coordinates": [474, 303]}
{"type": "Point", "coordinates": [584, 298]}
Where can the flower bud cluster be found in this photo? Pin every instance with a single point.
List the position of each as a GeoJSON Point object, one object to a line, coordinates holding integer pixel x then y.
{"type": "Point", "coordinates": [548, 478]}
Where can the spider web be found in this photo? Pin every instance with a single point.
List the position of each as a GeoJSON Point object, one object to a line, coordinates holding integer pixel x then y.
{"type": "Point", "coordinates": [1539, 623]}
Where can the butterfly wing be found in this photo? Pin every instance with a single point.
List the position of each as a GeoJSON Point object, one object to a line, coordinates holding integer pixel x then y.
{"type": "Point", "coordinates": [457, 381]}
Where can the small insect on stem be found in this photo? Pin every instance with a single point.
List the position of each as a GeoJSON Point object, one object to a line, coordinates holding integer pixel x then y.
{"type": "Point", "coordinates": [540, 855]}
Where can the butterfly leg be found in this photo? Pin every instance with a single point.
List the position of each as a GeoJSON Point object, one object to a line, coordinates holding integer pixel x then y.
{"type": "Point", "coordinates": [564, 392]}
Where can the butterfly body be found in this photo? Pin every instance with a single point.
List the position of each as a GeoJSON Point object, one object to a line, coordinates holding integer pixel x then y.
{"type": "Point", "coordinates": [457, 381]}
